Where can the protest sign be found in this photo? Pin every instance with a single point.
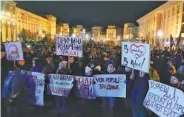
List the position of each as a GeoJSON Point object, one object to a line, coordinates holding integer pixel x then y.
{"type": "Point", "coordinates": [35, 83]}
{"type": "Point", "coordinates": [85, 87]}
{"type": "Point", "coordinates": [60, 85]}
{"type": "Point", "coordinates": [136, 56]}
{"type": "Point", "coordinates": [14, 51]}
{"type": "Point", "coordinates": [69, 46]}
{"type": "Point", "coordinates": [164, 100]}
{"type": "Point", "coordinates": [110, 85]}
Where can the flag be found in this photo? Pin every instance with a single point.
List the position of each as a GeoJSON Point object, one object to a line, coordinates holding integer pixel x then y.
{"type": "Point", "coordinates": [171, 42]}
{"type": "Point", "coordinates": [179, 39]}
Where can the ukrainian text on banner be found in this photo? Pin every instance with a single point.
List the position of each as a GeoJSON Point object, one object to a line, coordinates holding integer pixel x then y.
{"type": "Point", "coordinates": [69, 46]}
{"type": "Point", "coordinates": [164, 100]}
{"type": "Point", "coordinates": [136, 56]}
{"type": "Point", "coordinates": [60, 85]}
{"type": "Point", "coordinates": [14, 51]}
{"type": "Point", "coordinates": [35, 83]}
{"type": "Point", "coordinates": [110, 85]}
{"type": "Point", "coordinates": [85, 87]}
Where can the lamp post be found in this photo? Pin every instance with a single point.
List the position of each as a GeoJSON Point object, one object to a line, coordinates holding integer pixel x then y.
{"type": "Point", "coordinates": [160, 35]}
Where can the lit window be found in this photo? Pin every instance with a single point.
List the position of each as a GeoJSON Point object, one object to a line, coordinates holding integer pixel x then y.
{"type": "Point", "coordinates": [173, 11]}
{"type": "Point", "coordinates": [168, 13]}
{"type": "Point", "coordinates": [178, 9]}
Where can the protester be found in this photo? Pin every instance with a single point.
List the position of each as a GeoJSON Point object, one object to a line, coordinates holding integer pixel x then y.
{"type": "Point", "coordinates": [139, 93]}
{"type": "Point", "coordinates": [15, 92]}
{"type": "Point", "coordinates": [153, 74]}
{"type": "Point", "coordinates": [98, 58]}
{"type": "Point", "coordinates": [62, 69]}
{"type": "Point", "coordinates": [108, 102]}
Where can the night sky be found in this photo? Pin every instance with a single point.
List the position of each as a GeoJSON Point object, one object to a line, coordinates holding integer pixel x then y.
{"type": "Point", "coordinates": [92, 13]}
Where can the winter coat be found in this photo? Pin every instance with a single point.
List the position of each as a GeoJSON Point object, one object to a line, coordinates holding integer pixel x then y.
{"type": "Point", "coordinates": [140, 89]}
{"type": "Point", "coordinates": [37, 68]}
{"type": "Point", "coordinates": [14, 86]}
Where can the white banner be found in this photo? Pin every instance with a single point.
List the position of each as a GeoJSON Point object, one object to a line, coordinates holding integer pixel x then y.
{"type": "Point", "coordinates": [110, 85]}
{"type": "Point", "coordinates": [14, 51]}
{"type": "Point", "coordinates": [85, 87]}
{"type": "Point", "coordinates": [136, 56]}
{"type": "Point", "coordinates": [69, 46]}
{"type": "Point", "coordinates": [60, 85]}
{"type": "Point", "coordinates": [36, 83]}
{"type": "Point", "coordinates": [164, 100]}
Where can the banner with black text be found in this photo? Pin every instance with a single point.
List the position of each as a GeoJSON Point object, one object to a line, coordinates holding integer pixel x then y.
{"type": "Point", "coordinates": [164, 100]}
{"type": "Point", "coordinates": [110, 85]}
{"type": "Point", "coordinates": [69, 46]}
{"type": "Point", "coordinates": [136, 56]}
{"type": "Point", "coordinates": [60, 85]}
{"type": "Point", "coordinates": [85, 87]}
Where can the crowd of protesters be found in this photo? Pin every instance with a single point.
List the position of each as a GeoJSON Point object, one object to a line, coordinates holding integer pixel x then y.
{"type": "Point", "coordinates": [98, 58]}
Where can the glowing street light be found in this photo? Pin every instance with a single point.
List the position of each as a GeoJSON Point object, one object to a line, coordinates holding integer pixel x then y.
{"type": "Point", "coordinates": [160, 33]}
{"type": "Point", "coordinates": [118, 38]}
{"type": "Point", "coordinates": [73, 35]}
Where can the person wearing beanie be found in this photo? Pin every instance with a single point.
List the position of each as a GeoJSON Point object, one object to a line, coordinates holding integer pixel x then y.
{"type": "Point", "coordinates": [109, 102]}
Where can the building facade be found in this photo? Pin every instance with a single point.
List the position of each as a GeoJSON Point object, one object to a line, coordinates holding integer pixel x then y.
{"type": "Point", "coordinates": [15, 21]}
{"type": "Point", "coordinates": [111, 33]}
{"type": "Point", "coordinates": [168, 19]}
{"type": "Point", "coordinates": [96, 32]}
{"type": "Point", "coordinates": [130, 31]}
{"type": "Point", "coordinates": [63, 29]}
{"type": "Point", "coordinates": [78, 30]}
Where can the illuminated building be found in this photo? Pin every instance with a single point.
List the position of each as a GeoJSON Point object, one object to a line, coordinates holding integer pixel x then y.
{"type": "Point", "coordinates": [15, 21]}
{"type": "Point", "coordinates": [130, 31]}
{"type": "Point", "coordinates": [168, 18]}
{"type": "Point", "coordinates": [63, 29]}
{"type": "Point", "coordinates": [111, 33]}
{"type": "Point", "coordinates": [96, 32]}
{"type": "Point", "coordinates": [78, 30]}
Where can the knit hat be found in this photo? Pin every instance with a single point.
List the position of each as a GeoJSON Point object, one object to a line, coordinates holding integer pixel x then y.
{"type": "Point", "coordinates": [109, 62]}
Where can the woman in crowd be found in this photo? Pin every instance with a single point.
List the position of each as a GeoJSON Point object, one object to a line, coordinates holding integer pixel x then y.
{"type": "Point", "coordinates": [108, 102]}
{"type": "Point", "coordinates": [62, 69]}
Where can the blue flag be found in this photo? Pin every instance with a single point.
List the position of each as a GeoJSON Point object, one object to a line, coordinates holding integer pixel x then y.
{"type": "Point", "coordinates": [179, 39]}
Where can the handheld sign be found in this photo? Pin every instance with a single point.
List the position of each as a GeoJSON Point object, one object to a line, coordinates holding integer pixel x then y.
{"type": "Point", "coordinates": [85, 87]}
{"type": "Point", "coordinates": [69, 46]}
{"type": "Point", "coordinates": [60, 85]}
{"type": "Point", "coordinates": [164, 100]}
{"type": "Point", "coordinates": [14, 51]}
{"type": "Point", "coordinates": [35, 83]}
{"type": "Point", "coordinates": [110, 85]}
{"type": "Point", "coordinates": [136, 56]}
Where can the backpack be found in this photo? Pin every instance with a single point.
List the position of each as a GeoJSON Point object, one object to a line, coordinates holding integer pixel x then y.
{"type": "Point", "coordinates": [7, 88]}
